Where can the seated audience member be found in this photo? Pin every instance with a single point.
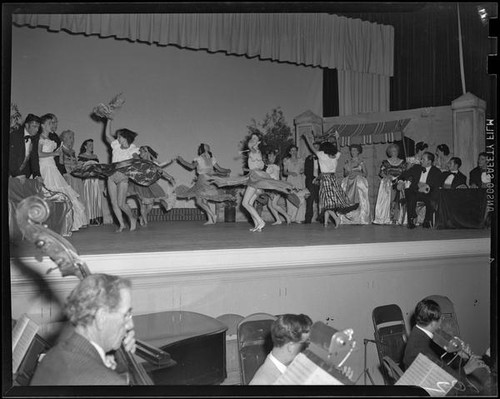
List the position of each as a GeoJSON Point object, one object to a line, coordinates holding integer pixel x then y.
{"type": "Point", "coordinates": [422, 183]}
{"type": "Point", "coordinates": [443, 158]}
{"type": "Point", "coordinates": [100, 309]}
{"type": "Point", "coordinates": [454, 178]}
{"type": "Point", "coordinates": [420, 148]}
{"type": "Point", "coordinates": [428, 321]}
{"type": "Point", "coordinates": [290, 334]}
{"type": "Point", "coordinates": [478, 178]}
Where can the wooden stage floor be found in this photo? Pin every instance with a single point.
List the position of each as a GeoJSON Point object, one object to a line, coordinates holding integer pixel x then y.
{"type": "Point", "coordinates": [185, 236]}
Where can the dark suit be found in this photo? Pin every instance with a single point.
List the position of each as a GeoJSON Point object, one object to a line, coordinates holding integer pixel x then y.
{"type": "Point", "coordinates": [18, 165]}
{"type": "Point", "coordinates": [475, 177]}
{"type": "Point", "coordinates": [313, 188]}
{"type": "Point", "coordinates": [419, 342]}
{"type": "Point", "coordinates": [459, 180]}
{"type": "Point", "coordinates": [75, 361]}
{"type": "Point", "coordinates": [434, 180]}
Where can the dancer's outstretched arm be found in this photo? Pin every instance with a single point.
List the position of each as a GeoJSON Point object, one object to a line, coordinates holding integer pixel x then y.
{"type": "Point", "coordinates": [309, 145]}
{"type": "Point", "coordinates": [186, 164]}
{"type": "Point", "coordinates": [107, 132]}
{"type": "Point", "coordinates": [222, 170]}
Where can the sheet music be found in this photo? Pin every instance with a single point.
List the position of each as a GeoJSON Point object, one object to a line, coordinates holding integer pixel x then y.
{"type": "Point", "coordinates": [303, 371]}
{"type": "Point", "coordinates": [426, 374]}
{"type": "Point", "coordinates": [22, 335]}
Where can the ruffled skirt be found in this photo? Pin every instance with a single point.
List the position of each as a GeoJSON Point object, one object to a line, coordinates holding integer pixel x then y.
{"type": "Point", "coordinates": [331, 195]}
{"type": "Point", "coordinates": [203, 189]}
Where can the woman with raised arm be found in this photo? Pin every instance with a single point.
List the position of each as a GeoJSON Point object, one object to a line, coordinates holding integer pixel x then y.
{"type": "Point", "coordinates": [332, 199]}
{"type": "Point", "coordinates": [123, 149]}
{"type": "Point", "coordinates": [148, 195]}
{"type": "Point", "coordinates": [51, 176]}
{"type": "Point", "coordinates": [203, 190]}
{"type": "Point", "coordinates": [355, 186]}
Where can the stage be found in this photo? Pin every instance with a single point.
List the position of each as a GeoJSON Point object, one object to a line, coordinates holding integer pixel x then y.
{"type": "Point", "coordinates": [334, 275]}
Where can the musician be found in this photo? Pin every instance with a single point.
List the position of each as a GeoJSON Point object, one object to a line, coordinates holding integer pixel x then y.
{"type": "Point", "coordinates": [454, 178]}
{"type": "Point", "coordinates": [478, 177]}
{"type": "Point", "coordinates": [422, 183]}
{"type": "Point", "coordinates": [100, 310]}
{"type": "Point", "coordinates": [428, 321]}
{"type": "Point", "coordinates": [290, 335]}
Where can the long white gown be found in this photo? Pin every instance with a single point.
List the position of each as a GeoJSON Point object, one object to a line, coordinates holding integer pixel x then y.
{"type": "Point", "coordinates": [54, 181]}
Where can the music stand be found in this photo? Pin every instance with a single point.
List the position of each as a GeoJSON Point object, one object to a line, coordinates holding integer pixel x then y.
{"type": "Point", "coordinates": [365, 372]}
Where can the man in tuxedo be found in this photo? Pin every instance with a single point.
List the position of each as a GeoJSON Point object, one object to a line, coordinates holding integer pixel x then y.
{"type": "Point", "coordinates": [23, 154]}
{"type": "Point", "coordinates": [454, 178]}
{"type": "Point", "coordinates": [100, 310]}
{"type": "Point", "coordinates": [290, 335]}
{"type": "Point", "coordinates": [311, 171]}
{"type": "Point", "coordinates": [478, 177]}
{"type": "Point", "coordinates": [422, 183]}
{"type": "Point", "coordinates": [428, 321]}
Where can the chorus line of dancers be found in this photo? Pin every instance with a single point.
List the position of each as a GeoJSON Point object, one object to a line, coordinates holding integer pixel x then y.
{"type": "Point", "coordinates": [135, 170]}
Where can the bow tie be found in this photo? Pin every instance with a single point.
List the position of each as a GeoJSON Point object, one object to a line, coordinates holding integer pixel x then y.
{"type": "Point", "coordinates": [453, 172]}
{"type": "Point", "coordinates": [26, 138]}
{"type": "Point", "coordinates": [424, 170]}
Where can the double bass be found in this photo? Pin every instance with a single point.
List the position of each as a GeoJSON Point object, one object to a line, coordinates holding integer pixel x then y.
{"type": "Point", "coordinates": [31, 213]}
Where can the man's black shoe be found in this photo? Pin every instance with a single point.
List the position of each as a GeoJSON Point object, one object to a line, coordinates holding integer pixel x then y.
{"type": "Point", "coordinates": [411, 225]}
{"type": "Point", "coordinates": [427, 224]}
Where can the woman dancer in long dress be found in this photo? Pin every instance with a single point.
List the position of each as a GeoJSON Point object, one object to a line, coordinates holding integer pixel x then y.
{"type": "Point", "coordinates": [332, 199]}
{"type": "Point", "coordinates": [123, 149]}
{"type": "Point", "coordinates": [51, 176]}
{"type": "Point", "coordinates": [355, 186]}
{"type": "Point", "coordinates": [92, 193]}
{"type": "Point", "coordinates": [293, 169]}
{"type": "Point", "coordinates": [274, 171]}
{"type": "Point", "coordinates": [147, 195]}
{"type": "Point", "coordinates": [203, 190]}
{"type": "Point", "coordinates": [386, 208]}
{"type": "Point", "coordinates": [256, 181]}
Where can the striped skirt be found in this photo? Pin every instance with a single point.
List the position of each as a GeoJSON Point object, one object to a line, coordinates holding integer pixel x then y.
{"type": "Point", "coordinates": [331, 195]}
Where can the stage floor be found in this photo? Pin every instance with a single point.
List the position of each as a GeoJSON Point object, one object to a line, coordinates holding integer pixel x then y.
{"type": "Point", "coordinates": [186, 236]}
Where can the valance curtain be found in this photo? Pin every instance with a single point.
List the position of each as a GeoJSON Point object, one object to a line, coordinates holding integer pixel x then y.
{"type": "Point", "coordinates": [327, 41]}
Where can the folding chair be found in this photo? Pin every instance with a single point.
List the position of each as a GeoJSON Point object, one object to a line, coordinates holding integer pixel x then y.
{"type": "Point", "coordinates": [390, 338]}
{"type": "Point", "coordinates": [232, 320]}
{"type": "Point", "coordinates": [254, 343]}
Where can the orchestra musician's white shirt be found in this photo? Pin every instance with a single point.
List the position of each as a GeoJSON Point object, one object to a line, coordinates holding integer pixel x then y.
{"type": "Point", "coordinates": [280, 366]}
{"type": "Point", "coordinates": [423, 176]}
{"type": "Point", "coordinates": [428, 333]}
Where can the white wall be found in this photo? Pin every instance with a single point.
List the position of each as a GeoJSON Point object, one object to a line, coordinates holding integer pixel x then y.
{"type": "Point", "coordinates": [175, 98]}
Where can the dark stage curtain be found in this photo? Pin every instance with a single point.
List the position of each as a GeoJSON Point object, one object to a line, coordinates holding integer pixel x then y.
{"type": "Point", "coordinates": [426, 55]}
{"type": "Point", "coordinates": [330, 92]}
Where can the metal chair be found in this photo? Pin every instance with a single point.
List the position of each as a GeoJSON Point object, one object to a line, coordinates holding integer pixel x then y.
{"type": "Point", "coordinates": [390, 338]}
{"type": "Point", "coordinates": [232, 320]}
{"type": "Point", "coordinates": [254, 343]}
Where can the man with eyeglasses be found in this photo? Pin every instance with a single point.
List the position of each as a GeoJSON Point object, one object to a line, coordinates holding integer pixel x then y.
{"type": "Point", "coordinates": [290, 335]}
{"type": "Point", "coordinates": [100, 310]}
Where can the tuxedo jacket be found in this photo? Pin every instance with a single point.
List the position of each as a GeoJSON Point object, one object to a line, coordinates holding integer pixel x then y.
{"type": "Point", "coordinates": [75, 361]}
{"type": "Point", "coordinates": [434, 179]}
{"type": "Point", "coordinates": [309, 169]}
{"type": "Point", "coordinates": [17, 153]}
{"type": "Point", "coordinates": [267, 374]}
{"type": "Point", "coordinates": [475, 177]}
{"type": "Point", "coordinates": [460, 179]}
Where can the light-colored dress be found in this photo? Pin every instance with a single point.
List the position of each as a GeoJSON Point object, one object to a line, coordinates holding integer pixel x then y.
{"type": "Point", "coordinates": [299, 182]}
{"type": "Point", "coordinates": [387, 208]}
{"type": "Point", "coordinates": [355, 186]}
{"type": "Point", "coordinates": [68, 159]}
{"type": "Point", "coordinates": [54, 181]}
{"type": "Point", "coordinates": [92, 193]}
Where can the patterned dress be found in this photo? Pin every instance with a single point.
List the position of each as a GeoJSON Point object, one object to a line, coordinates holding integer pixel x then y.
{"type": "Point", "coordinates": [387, 208]}
{"type": "Point", "coordinates": [92, 193]}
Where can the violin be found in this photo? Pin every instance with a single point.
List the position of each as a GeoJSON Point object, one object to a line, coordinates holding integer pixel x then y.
{"type": "Point", "coordinates": [31, 213]}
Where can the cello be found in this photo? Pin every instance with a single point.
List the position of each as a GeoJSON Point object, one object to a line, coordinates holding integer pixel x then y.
{"type": "Point", "coordinates": [31, 213]}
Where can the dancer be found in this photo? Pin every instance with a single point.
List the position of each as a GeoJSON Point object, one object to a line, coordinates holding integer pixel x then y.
{"type": "Point", "coordinates": [123, 149]}
{"type": "Point", "coordinates": [387, 206]}
{"type": "Point", "coordinates": [293, 169]}
{"type": "Point", "coordinates": [203, 190]}
{"type": "Point", "coordinates": [355, 186]}
{"type": "Point", "coordinates": [332, 198]}
{"type": "Point", "coordinates": [147, 195]}
{"type": "Point", "coordinates": [274, 171]}
{"type": "Point", "coordinates": [92, 193]}
{"type": "Point", "coordinates": [52, 179]}
{"type": "Point", "coordinates": [256, 181]}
